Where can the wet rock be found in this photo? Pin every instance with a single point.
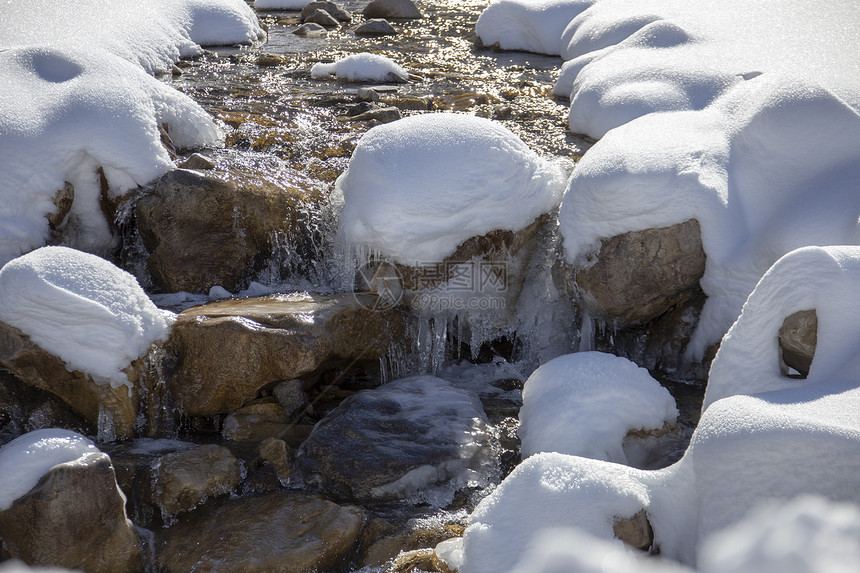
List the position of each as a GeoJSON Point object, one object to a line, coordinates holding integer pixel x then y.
{"type": "Point", "coordinates": [183, 480]}
{"type": "Point", "coordinates": [25, 408]}
{"type": "Point", "coordinates": [276, 453]}
{"type": "Point", "coordinates": [112, 410]}
{"type": "Point", "coordinates": [310, 30]}
{"type": "Point", "coordinates": [367, 94]}
{"type": "Point", "coordinates": [635, 531]}
{"type": "Point", "coordinates": [57, 220]}
{"type": "Point", "coordinates": [74, 517]}
{"type": "Point", "coordinates": [417, 439]}
{"type": "Point", "coordinates": [257, 420]}
{"type": "Point", "coordinates": [289, 531]}
{"type": "Point", "coordinates": [416, 560]}
{"type": "Point", "coordinates": [411, 103]}
{"type": "Point", "coordinates": [376, 27]}
{"type": "Point", "coordinates": [322, 18]}
{"type": "Point", "coordinates": [359, 108]}
{"type": "Point", "coordinates": [228, 351]}
{"type": "Point", "coordinates": [198, 161]}
{"type": "Point", "coordinates": [418, 536]}
{"type": "Point", "coordinates": [392, 10]}
{"type": "Point", "coordinates": [639, 275]}
{"type": "Point", "coordinates": [217, 228]}
{"type": "Point", "coordinates": [798, 337]}
{"type": "Point", "coordinates": [269, 60]}
{"type": "Point", "coordinates": [382, 115]}
{"type": "Point", "coordinates": [292, 397]}
{"type": "Point", "coordinates": [335, 10]}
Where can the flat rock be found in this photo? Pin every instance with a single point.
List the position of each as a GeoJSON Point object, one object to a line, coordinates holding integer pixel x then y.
{"type": "Point", "coordinates": [416, 439]}
{"type": "Point", "coordinates": [198, 161]}
{"type": "Point", "coordinates": [289, 532]}
{"type": "Point", "coordinates": [310, 30]}
{"type": "Point", "coordinates": [184, 479]}
{"type": "Point", "coordinates": [74, 517]}
{"type": "Point", "coordinates": [227, 351]}
{"type": "Point", "coordinates": [392, 10]}
{"type": "Point", "coordinates": [322, 18]}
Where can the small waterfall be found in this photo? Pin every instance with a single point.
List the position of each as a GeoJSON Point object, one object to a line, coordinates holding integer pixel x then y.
{"type": "Point", "coordinates": [586, 333]}
{"type": "Point", "coordinates": [156, 416]}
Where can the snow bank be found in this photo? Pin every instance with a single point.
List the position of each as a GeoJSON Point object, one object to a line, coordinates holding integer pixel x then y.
{"type": "Point", "coordinates": [280, 4]}
{"type": "Point", "coordinates": [65, 113]}
{"type": "Point", "coordinates": [363, 67]}
{"type": "Point", "coordinates": [24, 460]}
{"type": "Point", "coordinates": [528, 25]}
{"type": "Point", "coordinates": [82, 309]}
{"type": "Point", "coordinates": [806, 535]}
{"type": "Point", "coordinates": [584, 404]}
{"type": "Point", "coordinates": [75, 96]}
{"type": "Point", "coordinates": [418, 187]}
{"type": "Point", "coordinates": [695, 105]}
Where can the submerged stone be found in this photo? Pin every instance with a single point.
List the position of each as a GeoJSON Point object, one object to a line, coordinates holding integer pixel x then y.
{"type": "Point", "coordinates": [392, 9]}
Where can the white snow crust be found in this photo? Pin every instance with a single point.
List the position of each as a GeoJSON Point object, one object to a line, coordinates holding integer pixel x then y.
{"type": "Point", "coordinates": [585, 403]}
{"type": "Point", "coordinates": [24, 460]}
{"type": "Point", "coordinates": [418, 187]}
{"type": "Point", "coordinates": [76, 96]}
{"type": "Point", "coordinates": [528, 25]}
{"type": "Point", "coordinates": [82, 309]}
{"type": "Point", "coordinates": [362, 67]}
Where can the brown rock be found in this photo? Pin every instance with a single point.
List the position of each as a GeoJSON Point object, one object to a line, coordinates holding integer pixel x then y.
{"type": "Point", "coordinates": [336, 11]}
{"type": "Point", "coordinates": [392, 10]}
{"type": "Point", "coordinates": [183, 480]}
{"type": "Point", "coordinates": [639, 275]}
{"type": "Point", "coordinates": [198, 161]}
{"type": "Point", "coordinates": [423, 537]}
{"type": "Point", "coordinates": [112, 410]}
{"type": "Point", "coordinates": [217, 228]}
{"type": "Point", "coordinates": [57, 220]}
{"type": "Point", "coordinates": [228, 351]}
{"type": "Point", "coordinates": [74, 517]}
{"type": "Point", "coordinates": [798, 337]}
{"type": "Point", "coordinates": [276, 453]}
{"type": "Point", "coordinates": [322, 18]}
{"type": "Point", "coordinates": [289, 532]}
{"type": "Point", "coordinates": [635, 531]}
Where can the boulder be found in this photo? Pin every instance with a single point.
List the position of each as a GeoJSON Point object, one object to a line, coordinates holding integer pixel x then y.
{"type": "Point", "coordinates": [310, 30]}
{"type": "Point", "coordinates": [375, 27]}
{"type": "Point", "coordinates": [635, 530]}
{"type": "Point", "coordinates": [228, 351]}
{"type": "Point", "coordinates": [198, 161]}
{"type": "Point", "coordinates": [184, 479]}
{"type": "Point", "coordinates": [289, 531]}
{"type": "Point", "coordinates": [392, 10]}
{"type": "Point", "coordinates": [417, 439]}
{"type": "Point", "coordinates": [798, 337]}
{"type": "Point", "coordinates": [322, 18]}
{"type": "Point", "coordinates": [112, 410]}
{"type": "Point", "coordinates": [336, 11]}
{"type": "Point", "coordinates": [276, 453]}
{"type": "Point", "coordinates": [218, 227]}
{"type": "Point", "coordinates": [637, 276]}
{"type": "Point", "coordinates": [257, 420]}
{"type": "Point", "coordinates": [74, 517]}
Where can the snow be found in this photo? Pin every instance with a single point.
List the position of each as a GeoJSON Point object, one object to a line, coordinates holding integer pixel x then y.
{"type": "Point", "coordinates": [418, 187]}
{"type": "Point", "coordinates": [585, 403]}
{"type": "Point", "coordinates": [280, 4]}
{"type": "Point", "coordinates": [528, 25]}
{"type": "Point", "coordinates": [24, 460]}
{"type": "Point", "coordinates": [84, 310]}
{"type": "Point", "coordinates": [362, 67]}
{"type": "Point", "coordinates": [76, 96]}
{"type": "Point", "coordinates": [808, 534]}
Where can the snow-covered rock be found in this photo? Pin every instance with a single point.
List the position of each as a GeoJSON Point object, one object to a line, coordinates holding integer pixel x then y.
{"type": "Point", "coordinates": [362, 67]}
{"type": "Point", "coordinates": [585, 404]}
{"type": "Point", "coordinates": [528, 25]}
{"type": "Point", "coordinates": [416, 439]}
{"type": "Point", "coordinates": [417, 188]}
{"type": "Point", "coordinates": [82, 309]}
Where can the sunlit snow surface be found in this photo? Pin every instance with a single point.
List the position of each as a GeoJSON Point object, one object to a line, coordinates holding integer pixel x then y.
{"type": "Point", "coordinates": [418, 187]}
{"type": "Point", "coordinates": [362, 67]}
{"type": "Point", "coordinates": [82, 309]}
{"type": "Point", "coordinates": [24, 460]}
{"type": "Point", "coordinates": [76, 96]}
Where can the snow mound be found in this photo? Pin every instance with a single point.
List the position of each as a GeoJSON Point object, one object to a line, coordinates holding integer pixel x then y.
{"type": "Point", "coordinates": [824, 279]}
{"type": "Point", "coordinates": [806, 535]}
{"type": "Point", "coordinates": [528, 25]}
{"type": "Point", "coordinates": [82, 309]}
{"type": "Point", "coordinates": [728, 166]}
{"type": "Point", "coordinates": [280, 4]}
{"type": "Point", "coordinates": [585, 403]}
{"type": "Point", "coordinates": [66, 113]}
{"type": "Point", "coordinates": [24, 460]}
{"type": "Point", "coordinates": [418, 187]}
{"type": "Point", "coordinates": [363, 67]}
{"type": "Point", "coordinates": [150, 33]}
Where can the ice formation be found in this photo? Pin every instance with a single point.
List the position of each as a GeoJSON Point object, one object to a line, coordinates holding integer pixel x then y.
{"type": "Point", "coordinates": [363, 67]}
{"type": "Point", "coordinates": [82, 309]}
{"type": "Point", "coordinates": [24, 460]}
{"type": "Point", "coordinates": [585, 403]}
{"type": "Point", "coordinates": [418, 187]}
